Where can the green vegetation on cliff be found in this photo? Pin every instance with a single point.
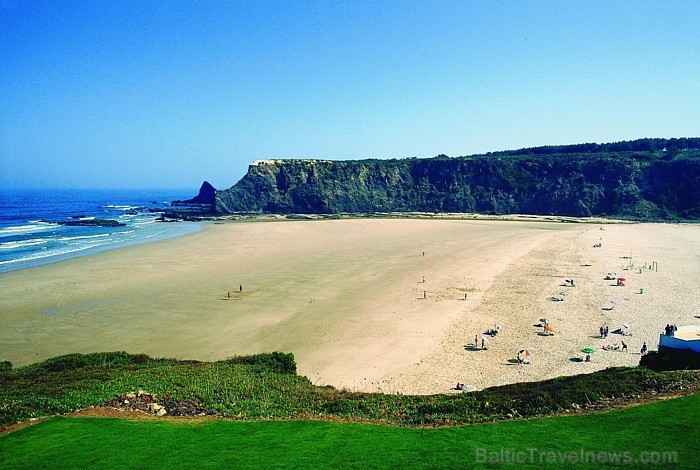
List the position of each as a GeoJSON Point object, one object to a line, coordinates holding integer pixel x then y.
{"type": "Point", "coordinates": [645, 179]}
{"type": "Point", "coordinates": [266, 386]}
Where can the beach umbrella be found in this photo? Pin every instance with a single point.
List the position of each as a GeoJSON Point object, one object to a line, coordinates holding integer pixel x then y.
{"type": "Point", "coordinates": [625, 325]}
{"type": "Point", "coordinates": [588, 350]}
{"type": "Point", "coordinates": [524, 352]}
{"type": "Point", "coordinates": [614, 301]}
{"type": "Point", "coordinates": [543, 321]}
{"type": "Point", "coordinates": [621, 279]}
{"type": "Point", "coordinates": [499, 326]}
{"type": "Point", "coordinates": [485, 338]}
{"type": "Point", "coordinates": [549, 328]}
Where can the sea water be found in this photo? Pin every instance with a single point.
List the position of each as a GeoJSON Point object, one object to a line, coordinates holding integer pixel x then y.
{"type": "Point", "coordinates": [32, 231]}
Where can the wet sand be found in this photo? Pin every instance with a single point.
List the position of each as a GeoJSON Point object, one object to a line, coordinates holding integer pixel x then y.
{"type": "Point", "coordinates": [347, 297]}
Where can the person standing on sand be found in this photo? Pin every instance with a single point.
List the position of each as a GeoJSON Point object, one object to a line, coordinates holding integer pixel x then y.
{"type": "Point", "coordinates": [240, 288]}
{"type": "Point", "coordinates": [476, 341]}
{"type": "Point", "coordinates": [229, 295]}
{"type": "Point", "coordinates": [644, 349]}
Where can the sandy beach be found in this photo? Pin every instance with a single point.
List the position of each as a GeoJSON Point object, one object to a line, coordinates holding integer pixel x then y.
{"type": "Point", "coordinates": [367, 304]}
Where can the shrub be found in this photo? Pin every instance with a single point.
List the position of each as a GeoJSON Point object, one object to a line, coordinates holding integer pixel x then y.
{"type": "Point", "coordinates": [671, 359]}
{"type": "Point", "coordinates": [80, 361]}
{"type": "Point", "coordinates": [279, 362]}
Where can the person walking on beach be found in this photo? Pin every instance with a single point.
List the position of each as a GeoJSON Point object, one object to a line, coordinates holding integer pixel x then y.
{"type": "Point", "coordinates": [229, 295]}
{"type": "Point", "coordinates": [240, 288]}
{"type": "Point", "coordinates": [644, 349]}
{"type": "Point", "coordinates": [476, 341]}
{"type": "Point", "coordinates": [602, 330]}
{"type": "Point", "coordinates": [607, 330]}
{"type": "Point", "coordinates": [624, 346]}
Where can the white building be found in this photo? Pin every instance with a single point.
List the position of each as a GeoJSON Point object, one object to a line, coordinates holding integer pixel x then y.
{"type": "Point", "coordinates": [685, 337]}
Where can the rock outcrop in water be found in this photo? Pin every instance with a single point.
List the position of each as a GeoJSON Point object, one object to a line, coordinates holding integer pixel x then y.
{"type": "Point", "coordinates": [93, 223]}
{"type": "Point", "coordinates": [645, 179]}
{"type": "Point", "coordinates": [206, 196]}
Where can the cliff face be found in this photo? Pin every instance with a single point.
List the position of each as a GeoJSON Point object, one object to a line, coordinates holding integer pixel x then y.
{"type": "Point", "coordinates": [642, 184]}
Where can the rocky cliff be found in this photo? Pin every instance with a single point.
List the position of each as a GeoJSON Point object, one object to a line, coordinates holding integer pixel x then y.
{"type": "Point", "coordinates": [654, 182]}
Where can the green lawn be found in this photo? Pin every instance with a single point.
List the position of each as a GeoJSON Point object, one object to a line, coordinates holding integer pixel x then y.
{"type": "Point", "coordinates": [669, 426]}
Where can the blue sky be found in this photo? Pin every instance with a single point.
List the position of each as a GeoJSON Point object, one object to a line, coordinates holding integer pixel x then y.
{"type": "Point", "coordinates": [166, 94]}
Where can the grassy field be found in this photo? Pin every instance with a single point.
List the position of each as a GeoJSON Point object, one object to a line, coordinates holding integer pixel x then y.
{"type": "Point", "coordinates": [663, 434]}
{"type": "Point", "coordinates": [268, 402]}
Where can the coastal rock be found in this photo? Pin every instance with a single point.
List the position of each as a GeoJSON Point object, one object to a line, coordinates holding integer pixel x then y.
{"type": "Point", "coordinates": [206, 197]}
{"type": "Point", "coordinates": [147, 402]}
{"type": "Point", "coordinates": [92, 223]}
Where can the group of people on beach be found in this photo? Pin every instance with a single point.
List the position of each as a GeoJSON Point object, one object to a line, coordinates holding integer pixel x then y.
{"type": "Point", "coordinates": [617, 347]}
{"type": "Point", "coordinates": [670, 330]}
{"type": "Point", "coordinates": [240, 290]}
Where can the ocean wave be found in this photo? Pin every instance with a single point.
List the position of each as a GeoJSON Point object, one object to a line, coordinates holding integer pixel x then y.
{"type": "Point", "coordinates": [157, 233]}
{"type": "Point", "coordinates": [147, 222]}
{"type": "Point", "coordinates": [82, 237]}
{"type": "Point", "coordinates": [120, 207]}
{"type": "Point", "coordinates": [22, 243]}
{"type": "Point", "coordinates": [34, 227]}
{"type": "Point", "coordinates": [93, 243]}
{"type": "Point", "coordinates": [55, 252]}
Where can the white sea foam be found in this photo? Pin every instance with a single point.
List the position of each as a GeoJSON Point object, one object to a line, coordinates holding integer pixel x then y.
{"type": "Point", "coordinates": [83, 237]}
{"type": "Point", "coordinates": [121, 207]}
{"type": "Point", "coordinates": [147, 222]}
{"type": "Point", "coordinates": [22, 243]}
{"type": "Point", "coordinates": [74, 248]}
{"type": "Point", "coordinates": [157, 233]}
{"type": "Point", "coordinates": [34, 227]}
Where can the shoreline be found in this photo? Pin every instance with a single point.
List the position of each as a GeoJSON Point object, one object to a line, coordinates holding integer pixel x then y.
{"type": "Point", "coordinates": [9, 266]}
{"type": "Point", "coordinates": [345, 296]}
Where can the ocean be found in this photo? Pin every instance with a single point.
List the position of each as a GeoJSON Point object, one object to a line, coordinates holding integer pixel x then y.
{"type": "Point", "coordinates": [32, 230]}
